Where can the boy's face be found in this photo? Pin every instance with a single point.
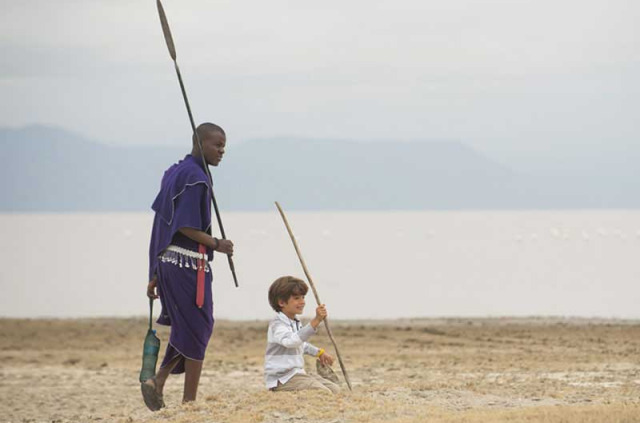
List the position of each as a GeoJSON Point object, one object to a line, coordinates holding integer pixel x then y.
{"type": "Point", "coordinates": [294, 305]}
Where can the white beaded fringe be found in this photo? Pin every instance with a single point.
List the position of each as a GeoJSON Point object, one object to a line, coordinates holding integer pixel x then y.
{"type": "Point", "coordinates": [182, 257]}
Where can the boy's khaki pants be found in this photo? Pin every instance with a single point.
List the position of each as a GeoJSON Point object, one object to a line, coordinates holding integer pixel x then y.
{"type": "Point", "coordinates": [301, 382]}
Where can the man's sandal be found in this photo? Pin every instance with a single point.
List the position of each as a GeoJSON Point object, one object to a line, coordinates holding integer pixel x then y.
{"type": "Point", "coordinates": [152, 399]}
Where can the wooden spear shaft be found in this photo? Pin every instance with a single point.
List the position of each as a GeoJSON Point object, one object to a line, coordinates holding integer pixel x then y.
{"type": "Point", "coordinates": [315, 293]}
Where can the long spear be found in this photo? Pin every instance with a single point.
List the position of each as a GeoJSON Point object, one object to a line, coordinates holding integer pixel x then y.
{"type": "Point", "coordinates": [172, 52]}
{"type": "Point", "coordinates": [315, 293]}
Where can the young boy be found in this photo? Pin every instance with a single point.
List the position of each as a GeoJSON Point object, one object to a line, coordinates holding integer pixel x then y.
{"type": "Point", "coordinates": [287, 340]}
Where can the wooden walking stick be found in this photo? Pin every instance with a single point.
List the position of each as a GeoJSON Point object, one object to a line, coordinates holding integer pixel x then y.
{"type": "Point", "coordinates": [315, 293]}
{"type": "Point", "coordinates": [172, 52]}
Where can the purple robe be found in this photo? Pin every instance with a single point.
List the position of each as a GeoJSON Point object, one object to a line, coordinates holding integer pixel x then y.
{"type": "Point", "coordinates": [183, 202]}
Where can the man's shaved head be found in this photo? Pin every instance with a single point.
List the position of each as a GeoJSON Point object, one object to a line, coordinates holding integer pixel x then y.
{"type": "Point", "coordinates": [205, 130]}
{"type": "Point", "coordinates": [213, 140]}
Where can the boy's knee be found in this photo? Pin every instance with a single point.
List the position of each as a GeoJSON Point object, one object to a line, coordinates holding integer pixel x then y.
{"type": "Point", "coordinates": [333, 387]}
{"type": "Point", "coordinates": [323, 388]}
{"type": "Point", "coordinates": [315, 384]}
{"type": "Point", "coordinates": [327, 384]}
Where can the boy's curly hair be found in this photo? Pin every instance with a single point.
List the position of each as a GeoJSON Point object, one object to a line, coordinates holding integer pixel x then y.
{"type": "Point", "coordinates": [283, 288]}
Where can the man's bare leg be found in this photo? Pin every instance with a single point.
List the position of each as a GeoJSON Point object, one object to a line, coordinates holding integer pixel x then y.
{"type": "Point", "coordinates": [163, 373]}
{"type": "Point", "coordinates": [192, 371]}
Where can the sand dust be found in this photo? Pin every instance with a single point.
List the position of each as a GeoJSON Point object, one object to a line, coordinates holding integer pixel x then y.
{"type": "Point", "coordinates": [440, 370]}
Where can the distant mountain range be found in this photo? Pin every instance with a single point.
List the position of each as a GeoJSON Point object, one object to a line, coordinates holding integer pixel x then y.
{"type": "Point", "coordinates": [51, 169]}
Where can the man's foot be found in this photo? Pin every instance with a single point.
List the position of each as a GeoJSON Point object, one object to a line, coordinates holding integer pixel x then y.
{"type": "Point", "coordinates": [152, 398]}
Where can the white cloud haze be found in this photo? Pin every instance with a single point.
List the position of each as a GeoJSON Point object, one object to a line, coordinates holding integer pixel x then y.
{"type": "Point", "coordinates": [509, 77]}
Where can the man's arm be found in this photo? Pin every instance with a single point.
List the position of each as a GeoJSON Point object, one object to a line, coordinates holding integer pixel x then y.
{"type": "Point", "coordinates": [152, 288]}
{"type": "Point", "coordinates": [222, 245]}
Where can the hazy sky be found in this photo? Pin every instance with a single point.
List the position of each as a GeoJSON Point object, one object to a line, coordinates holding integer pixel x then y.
{"type": "Point", "coordinates": [507, 77]}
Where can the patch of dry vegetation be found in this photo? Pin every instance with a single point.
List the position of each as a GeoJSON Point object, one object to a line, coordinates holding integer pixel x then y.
{"type": "Point", "coordinates": [436, 370]}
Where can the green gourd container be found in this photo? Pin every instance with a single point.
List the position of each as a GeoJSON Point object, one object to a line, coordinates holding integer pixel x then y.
{"type": "Point", "coordinates": [150, 350]}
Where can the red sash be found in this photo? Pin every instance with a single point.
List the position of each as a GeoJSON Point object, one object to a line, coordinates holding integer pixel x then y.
{"type": "Point", "coordinates": [200, 281]}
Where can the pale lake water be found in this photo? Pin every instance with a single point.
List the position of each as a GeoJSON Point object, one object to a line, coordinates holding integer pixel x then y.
{"type": "Point", "coordinates": [368, 265]}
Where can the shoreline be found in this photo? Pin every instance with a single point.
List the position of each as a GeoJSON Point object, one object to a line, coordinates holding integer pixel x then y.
{"type": "Point", "coordinates": [438, 320]}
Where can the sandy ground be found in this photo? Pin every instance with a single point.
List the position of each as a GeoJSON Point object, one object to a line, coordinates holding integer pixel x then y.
{"type": "Point", "coordinates": [436, 370]}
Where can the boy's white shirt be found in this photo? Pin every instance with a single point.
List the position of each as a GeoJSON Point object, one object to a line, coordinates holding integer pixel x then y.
{"type": "Point", "coordinates": [286, 345]}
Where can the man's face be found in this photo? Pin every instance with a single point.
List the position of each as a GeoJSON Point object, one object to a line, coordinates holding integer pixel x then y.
{"type": "Point", "coordinates": [213, 147]}
{"type": "Point", "coordinates": [295, 305]}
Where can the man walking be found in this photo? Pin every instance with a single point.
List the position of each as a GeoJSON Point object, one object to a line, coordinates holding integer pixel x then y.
{"type": "Point", "coordinates": [179, 273]}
